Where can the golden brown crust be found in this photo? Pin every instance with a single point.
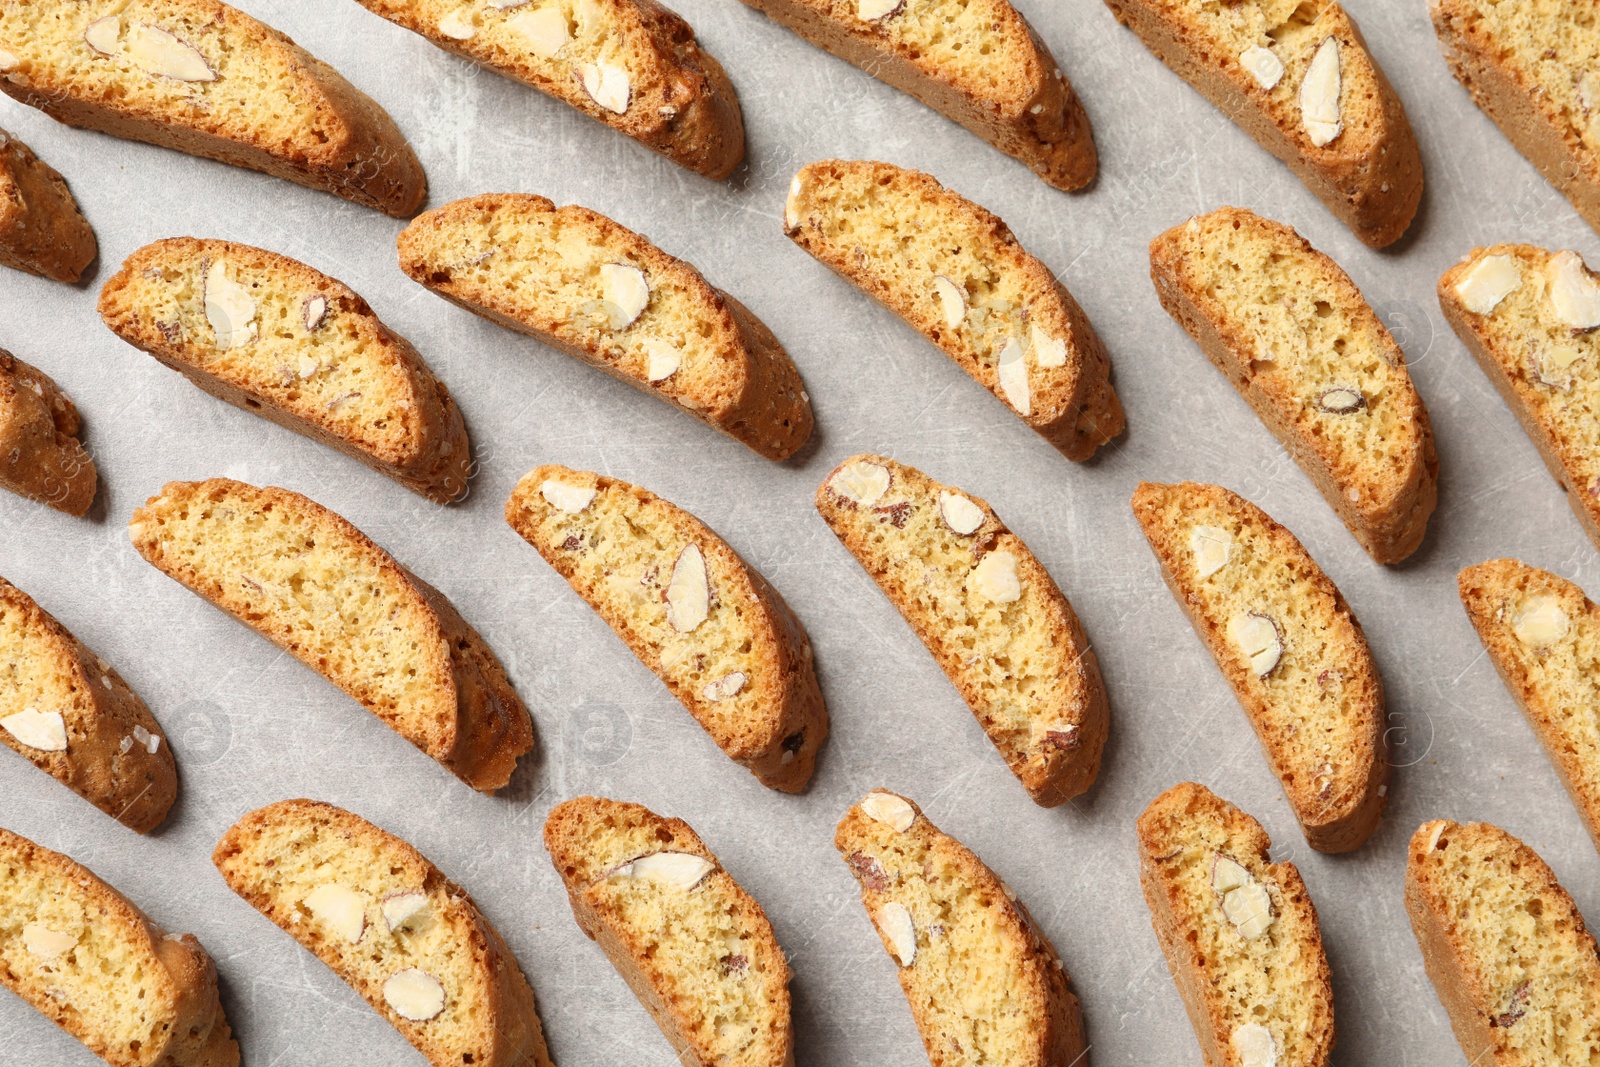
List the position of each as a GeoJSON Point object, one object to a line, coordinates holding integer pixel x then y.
{"type": "Point", "coordinates": [357, 152]}
{"type": "Point", "coordinates": [176, 981]}
{"type": "Point", "coordinates": [419, 439]}
{"type": "Point", "coordinates": [472, 721]}
{"type": "Point", "coordinates": [42, 231]}
{"type": "Point", "coordinates": [41, 457]}
{"type": "Point", "coordinates": [780, 720]}
{"type": "Point", "coordinates": [1325, 676]}
{"type": "Point", "coordinates": [1369, 177]}
{"type": "Point", "coordinates": [1053, 732]}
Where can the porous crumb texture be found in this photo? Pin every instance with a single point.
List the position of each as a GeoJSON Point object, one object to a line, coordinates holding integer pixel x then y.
{"type": "Point", "coordinates": [317, 587]}
{"type": "Point", "coordinates": [277, 338]}
{"type": "Point", "coordinates": [954, 271]}
{"type": "Point", "coordinates": [993, 618]}
{"type": "Point", "coordinates": [1508, 953]}
{"type": "Point", "coordinates": [1369, 172]}
{"type": "Point", "coordinates": [632, 64]}
{"type": "Point", "coordinates": [1291, 332]}
{"type": "Point", "coordinates": [370, 906]}
{"type": "Point", "coordinates": [553, 273]}
{"type": "Point", "coordinates": [1533, 66]}
{"type": "Point", "coordinates": [984, 984]}
{"type": "Point", "coordinates": [41, 457]}
{"type": "Point", "coordinates": [707, 623]}
{"type": "Point", "coordinates": [93, 964]}
{"type": "Point", "coordinates": [41, 229]}
{"type": "Point", "coordinates": [1314, 698]}
{"type": "Point", "coordinates": [1277, 979]}
{"type": "Point", "coordinates": [696, 949]}
{"type": "Point", "coordinates": [109, 733]}
{"type": "Point", "coordinates": [1546, 369]}
{"type": "Point", "coordinates": [1543, 636]}
{"type": "Point", "coordinates": [204, 78]}
{"type": "Point", "coordinates": [977, 62]}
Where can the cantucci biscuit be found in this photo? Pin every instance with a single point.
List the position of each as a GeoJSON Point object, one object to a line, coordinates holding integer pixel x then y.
{"type": "Point", "coordinates": [954, 272]}
{"type": "Point", "coordinates": [1240, 933]}
{"type": "Point", "coordinates": [207, 79]}
{"type": "Point", "coordinates": [1299, 79]}
{"type": "Point", "coordinates": [289, 343]}
{"type": "Point", "coordinates": [1293, 335]}
{"type": "Point", "coordinates": [1510, 957]}
{"type": "Point", "coordinates": [383, 918]}
{"type": "Point", "coordinates": [978, 64]}
{"type": "Point", "coordinates": [601, 293]}
{"type": "Point", "coordinates": [41, 229]}
{"type": "Point", "coordinates": [1543, 636]}
{"type": "Point", "coordinates": [1287, 643]}
{"type": "Point", "coordinates": [1531, 67]}
{"type": "Point", "coordinates": [987, 610]}
{"type": "Point", "coordinates": [317, 587]}
{"type": "Point", "coordinates": [984, 983]}
{"type": "Point", "coordinates": [1528, 316]}
{"type": "Point", "coordinates": [694, 947]}
{"type": "Point", "coordinates": [41, 457]}
{"type": "Point", "coordinates": [69, 713]}
{"type": "Point", "coordinates": [96, 966]}
{"type": "Point", "coordinates": [632, 64]}
{"type": "Point", "coordinates": [702, 619]}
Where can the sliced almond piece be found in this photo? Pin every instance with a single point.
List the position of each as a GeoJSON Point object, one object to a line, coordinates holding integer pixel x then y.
{"type": "Point", "coordinates": [564, 497]}
{"type": "Point", "coordinates": [626, 293]}
{"type": "Point", "coordinates": [1228, 874]}
{"type": "Point", "coordinates": [1263, 64]}
{"type": "Point", "coordinates": [1487, 282]}
{"type": "Point", "coordinates": [340, 909]}
{"type": "Point", "coordinates": [960, 514]}
{"type": "Point", "coordinates": [1212, 548]}
{"type": "Point", "coordinates": [677, 870]}
{"type": "Point", "coordinates": [995, 578]}
{"type": "Point", "coordinates": [1013, 373]}
{"type": "Point", "coordinates": [1047, 351]}
{"type": "Point", "coordinates": [158, 52]}
{"type": "Point", "coordinates": [1256, 636]}
{"type": "Point", "coordinates": [662, 359]}
{"type": "Point", "coordinates": [545, 30]}
{"type": "Point", "coordinates": [1341, 400]}
{"type": "Point", "coordinates": [1253, 1046]}
{"type": "Point", "coordinates": [1249, 908]}
{"type": "Point", "coordinates": [898, 929]}
{"type": "Point", "coordinates": [404, 909]}
{"type": "Point", "coordinates": [689, 592]}
{"type": "Point", "coordinates": [1574, 293]}
{"type": "Point", "coordinates": [606, 85]}
{"type": "Point", "coordinates": [230, 308]}
{"type": "Point", "coordinates": [105, 35]}
{"type": "Point", "coordinates": [1319, 95]}
{"type": "Point", "coordinates": [45, 731]}
{"type": "Point", "coordinates": [894, 812]}
{"type": "Point", "coordinates": [314, 312]}
{"type": "Point", "coordinates": [724, 688]}
{"type": "Point", "coordinates": [878, 10]}
{"type": "Point", "coordinates": [1541, 622]}
{"type": "Point", "coordinates": [863, 483]}
{"type": "Point", "coordinates": [414, 994]}
{"type": "Point", "coordinates": [45, 943]}
{"type": "Point", "coordinates": [952, 300]}
{"type": "Point", "coordinates": [458, 24]}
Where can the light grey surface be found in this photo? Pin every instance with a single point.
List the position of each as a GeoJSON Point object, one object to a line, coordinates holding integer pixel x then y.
{"type": "Point", "coordinates": [250, 725]}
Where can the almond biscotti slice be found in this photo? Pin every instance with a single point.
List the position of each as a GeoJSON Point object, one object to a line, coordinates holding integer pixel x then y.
{"type": "Point", "coordinates": [1543, 636]}
{"type": "Point", "coordinates": [207, 79]}
{"type": "Point", "coordinates": [96, 966]}
{"type": "Point", "coordinates": [1240, 934]}
{"type": "Point", "coordinates": [1508, 953]}
{"type": "Point", "coordinates": [1528, 316]}
{"type": "Point", "coordinates": [984, 983]}
{"type": "Point", "coordinates": [599, 292]}
{"type": "Point", "coordinates": [41, 229]}
{"type": "Point", "coordinates": [1297, 77]}
{"type": "Point", "coordinates": [286, 342]}
{"type": "Point", "coordinates": [69, 713]}
{"type": "Point", "coordinates": [1292, 333]}
{"type": "Point", "coordinates": [632, 64]}
{"type": "Point", "coordinates": [702, 619]}
{"type": "Point", "coordinates": [977, 63]}
{"type": "Point", "coordinates": [987, 610]}
{"type": "Point", "coordinates": [955, 273]}
{"type": "Point", "coordinates": [694, 947]}
{"type": "Point", "coordinates": [41, 457]}
{"type": "Point", "coordinates": [317, 587]}
{"type": "Point", "coordinates": [1531, 68]}
{"type": "Point", "coordinates": [385, 920]}
{"type": "Point", "coordinates": [1287, 643]}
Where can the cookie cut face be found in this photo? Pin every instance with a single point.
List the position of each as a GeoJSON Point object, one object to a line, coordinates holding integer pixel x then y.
{"type": "Point", "coordinates": [584, 285]}
{"type": "Point", "coordinates": [41, 457]}
{"type": "Point", "coordinates": [96, 966]}
{"type": "Point", "coordinates": [1240, 934]}
{"type": "Point", "coordinates": [992, 617]}
{"type": "Point", "coordinates": [695, 948]}
{"type": "Point", "coordinates": [634, 66]}
{"type": "Point", "coordinates": [307, 580]}
{"type": "Point", "coordinates": [385, 920]}
{"type": "Point", "coordinates": [1299, 79]}
{"type": "Point", "coordinates": [1508, 953]}
{"type": "Point", "coordinates": [279, 339]}
{"type": "Point", "coordinates": [1288, 645]}
{"type": "Point", "coordinates": [204, 78]}
{"type": "Point", "coordinates": [1292, 333]}
{"type": "Point", "coordinates": [954, 272]}
{"type": "Point", "coordinates": [977, 63]}
{"type": "Point", "coordinates": [42, 231]}
{"type": "Point", "coordinates": [703, 620]}
{"type": "Point", "coordinates": [983, 982]}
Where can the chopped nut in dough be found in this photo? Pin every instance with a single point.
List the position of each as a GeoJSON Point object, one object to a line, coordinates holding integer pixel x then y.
{"type": "Point", "coordinates": [1212, 547]}
{"type": "Point", "coordinates": [1319, 95]}
{"type": "Point", "coordinates": [861, 482]}
{"type": "Point", "coordinates": [564, 497]}
{"type": "Point", "coordinates": [895, 922]}
{"type": "Point", "coordinates": [414, 994]}
{"type": "Point", "coordinates": [1541, 623]}
{"type": "Point", "coordinates": [689, 592]}
{"type": "Point", "coordinates": [45, 731]}
{"type": "Point", "coordinates": [894, 812]}
{"type": "Point", "coordinates": [1487, 282]}
{"type": "Point", "coordinates": [995, 578]}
